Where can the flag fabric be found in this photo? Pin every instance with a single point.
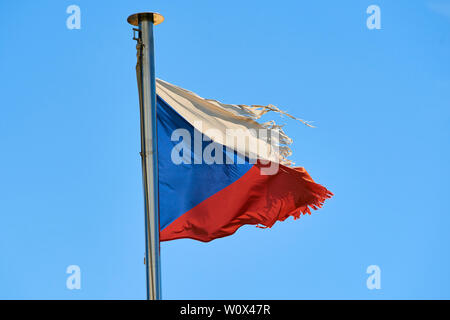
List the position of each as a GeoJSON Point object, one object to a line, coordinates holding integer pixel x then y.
{"type": "Point", "coordinates": [210, 185]}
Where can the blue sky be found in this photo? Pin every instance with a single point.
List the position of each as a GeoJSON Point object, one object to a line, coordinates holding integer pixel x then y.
{"type": "Point", "coordinates": [70, 176]}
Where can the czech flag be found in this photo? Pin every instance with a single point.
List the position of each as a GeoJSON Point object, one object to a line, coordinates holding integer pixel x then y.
{"type": "Point", "coordinates": [219, 168]}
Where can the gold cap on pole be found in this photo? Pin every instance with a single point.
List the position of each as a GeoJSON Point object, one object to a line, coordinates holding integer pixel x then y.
{"type": "Point", "coordinates": [155, 17]}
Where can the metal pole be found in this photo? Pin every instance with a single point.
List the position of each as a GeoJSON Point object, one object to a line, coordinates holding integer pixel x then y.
{"type": "Point", "coordinates": [149, 155]}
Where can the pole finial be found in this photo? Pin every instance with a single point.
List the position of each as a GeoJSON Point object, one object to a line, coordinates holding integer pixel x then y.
{"type": "Point", "coordinates": [156, 18]}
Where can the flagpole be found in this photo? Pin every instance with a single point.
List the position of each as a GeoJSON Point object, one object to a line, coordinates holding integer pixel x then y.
{"type": "Point", "coordinates": [145, 70]}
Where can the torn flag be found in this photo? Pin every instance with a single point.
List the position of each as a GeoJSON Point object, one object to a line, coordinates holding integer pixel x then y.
{"type": "Point", "coordinates": [219, 168]}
